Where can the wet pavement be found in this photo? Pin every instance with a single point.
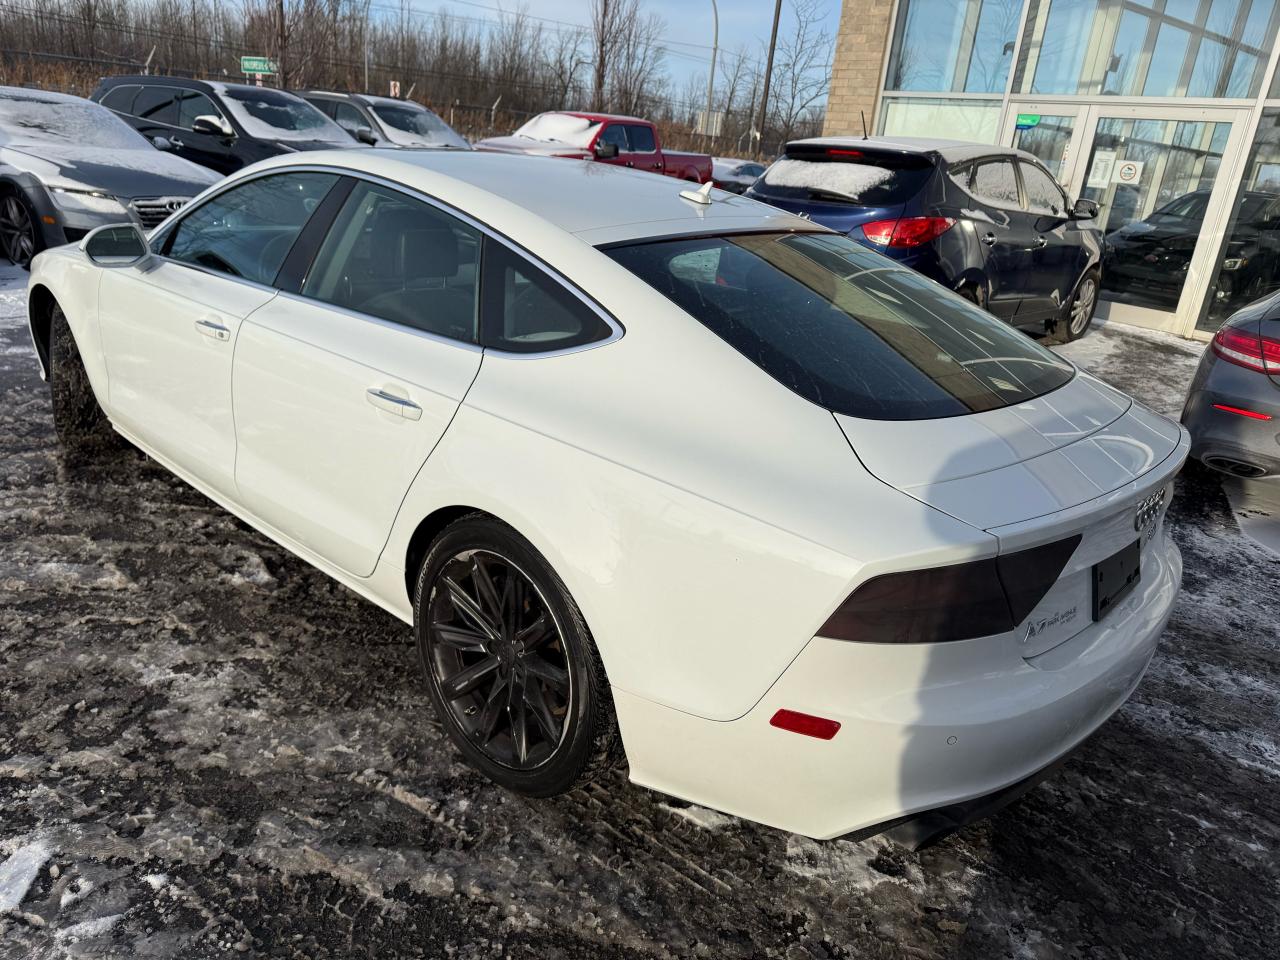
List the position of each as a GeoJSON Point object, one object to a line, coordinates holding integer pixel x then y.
{"type": "Point", "coordinates": [209, 749]}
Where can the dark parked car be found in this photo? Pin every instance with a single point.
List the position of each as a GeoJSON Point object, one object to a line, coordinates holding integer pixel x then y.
{"type": "Point", "coordinates": [1233, 405]}
{"type": "Point", "coordinates": [734, 175]}
{"type": "Point", "coordinates": [988, 222]}
{"type": "Point", "coordinates": [1153, 254]}
{"type": "Point", "coordinates": [386, 122]}
{"type": "Point", "coordinates": [224, 126]}
{"type": "Point", "coordinates": [68, 165]}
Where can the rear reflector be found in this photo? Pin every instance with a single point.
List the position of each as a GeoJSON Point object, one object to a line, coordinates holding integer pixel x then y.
{"type": "Point", "coordinates": [1251, 414]}
{"type": "Point", "coordinates": [805, 723]}
{"type": "Point", "coordinates": [907, 232]}
{"type": "Point", "coordinates": [1248, 350]}
{"type": "Point", "coordinates": [958, 602]}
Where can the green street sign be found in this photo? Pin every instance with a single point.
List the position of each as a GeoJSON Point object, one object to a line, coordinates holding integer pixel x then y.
{"type": "Point", "coordinates": [1026, 121]}
{"type": "Point", "coordinates": [260, 65]}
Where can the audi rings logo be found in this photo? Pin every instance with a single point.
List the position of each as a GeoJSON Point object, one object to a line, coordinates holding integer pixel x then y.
{"type": "Point", "coordinates": [1148, 510]}
{"type": "Point", "coordinates": [174, 204]}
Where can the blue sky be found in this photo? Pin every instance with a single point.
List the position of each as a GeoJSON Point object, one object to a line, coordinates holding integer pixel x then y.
{"type": "Point", "coordinates": [742, 22]}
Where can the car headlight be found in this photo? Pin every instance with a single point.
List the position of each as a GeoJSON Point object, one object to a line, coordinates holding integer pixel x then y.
{"type": "Point", "coordinates": [1234, 263]}
{"type": "Point", "coordinates": [87, 201]}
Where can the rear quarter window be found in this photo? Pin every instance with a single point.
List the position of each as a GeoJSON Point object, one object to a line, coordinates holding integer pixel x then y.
{"type": "Point", "coordinates": [846, 328]}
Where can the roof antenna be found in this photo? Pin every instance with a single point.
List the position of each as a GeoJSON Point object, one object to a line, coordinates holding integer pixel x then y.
{"type": "Point", "coordinates": [701, 195]}
{"type": "Point", "coordinates": [863, 115]}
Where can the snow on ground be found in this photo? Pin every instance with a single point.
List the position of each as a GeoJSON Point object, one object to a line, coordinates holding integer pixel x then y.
{"type": "Point", "coordinates": [208, 748]}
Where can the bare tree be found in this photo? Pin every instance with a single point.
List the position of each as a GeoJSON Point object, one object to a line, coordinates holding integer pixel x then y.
{"type": "Point", "coordinates": [802, 70]}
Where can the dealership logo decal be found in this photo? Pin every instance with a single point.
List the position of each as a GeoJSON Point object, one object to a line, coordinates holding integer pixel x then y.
{"type": "Point", "coordinates": [1058, 619]}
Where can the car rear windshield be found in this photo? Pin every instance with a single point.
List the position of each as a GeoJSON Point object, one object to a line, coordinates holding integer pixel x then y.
{"type": "Point", "coordinates": [845, 175]}
{"type": "Point", "coordinates": [845, 327]}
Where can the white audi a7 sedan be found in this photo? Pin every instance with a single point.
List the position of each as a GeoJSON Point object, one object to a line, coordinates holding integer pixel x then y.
{"type": "Point", "coordinates": [652, 472]}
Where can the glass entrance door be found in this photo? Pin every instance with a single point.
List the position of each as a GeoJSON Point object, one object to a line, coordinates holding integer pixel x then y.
{"type": "Point", "coordinates": [1155, 175]}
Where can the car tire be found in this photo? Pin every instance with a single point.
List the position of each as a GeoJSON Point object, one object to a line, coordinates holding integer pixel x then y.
{"type": "Point", "coordinates": [20, 237]}
{"type": "Point", "coordinates": [83, 430]}
{"type": "Point", "coordinates": [510, 666]}
{"type": "Point", "coordinates": [1077, 313]}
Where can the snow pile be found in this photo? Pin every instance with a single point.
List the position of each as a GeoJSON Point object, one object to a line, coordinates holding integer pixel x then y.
{"type": "Point", "coordinates": [850, 179]}
{"type": "Point", "coordinates": [19, 872]}
{"type": "Point", "coordinates": [559, 128]}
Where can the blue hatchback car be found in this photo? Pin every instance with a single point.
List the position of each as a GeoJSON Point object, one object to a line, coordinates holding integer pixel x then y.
{"type": "Point", "coordinates": [988, 222]}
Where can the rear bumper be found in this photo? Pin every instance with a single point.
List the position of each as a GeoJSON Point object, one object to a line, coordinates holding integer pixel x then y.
{"type": "Point", "coordinates": [1219, 437]}
{"type": "Point", "coordinates": [923, 727]}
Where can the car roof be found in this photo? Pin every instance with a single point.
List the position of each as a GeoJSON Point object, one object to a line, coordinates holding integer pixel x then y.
{"type": "Point", "coordinates": [952, 151]}
{"type": "Point", "coordinates": [596, 202]}
{"type": "Point", "coordinates": [601, 117]}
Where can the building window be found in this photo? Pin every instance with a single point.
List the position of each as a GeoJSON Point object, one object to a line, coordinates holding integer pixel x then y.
{"type": "Point", "coordinates": [1248, 264]}
{"type": "Point", "coordinates": [953, 46]}
{"type": "Point", "coordinates": [1157, 48]}
{"type": "Point", "coordinates": [977, 120]}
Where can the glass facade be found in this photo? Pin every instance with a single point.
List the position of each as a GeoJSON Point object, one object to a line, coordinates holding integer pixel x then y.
{"type": "Point", "coordinates": [1248, 262]}
{"type": "Point", "coordinates": [1174, 48]}
{"type": "Point", "coordinates": [1144, 106]}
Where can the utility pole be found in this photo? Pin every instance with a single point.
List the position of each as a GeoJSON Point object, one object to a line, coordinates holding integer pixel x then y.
{"type": "Point", "coordinates": [282, 45]}
{"type": "Point", "coordinates": [603, 25]}
{"type": "Point", "coordinates": [366, 44]}
{"type": "Point", "coordinates": [711, 80]}
{"type": "Point", "coordinates": [768, 73]}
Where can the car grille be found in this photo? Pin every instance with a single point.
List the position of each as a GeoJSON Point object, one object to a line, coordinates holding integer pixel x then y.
{"type": "Point", "coordinates": [152, 210]}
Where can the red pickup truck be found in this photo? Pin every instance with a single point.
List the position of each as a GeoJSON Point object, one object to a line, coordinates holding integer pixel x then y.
{"type": "Point", "coordinates": [625, 141]}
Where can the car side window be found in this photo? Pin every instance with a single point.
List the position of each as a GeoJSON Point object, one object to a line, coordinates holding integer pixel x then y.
{"type": "Point", "coordinates": [192, 104]}
{"type": "Point", "coordinates": [247, 231]}
{"type": "Point", "coordinates": [393, 257]}
{"type": "Point", "coordinates": [157, 104]}
{"type": "Point", "coordinates": [996, 182]}
{"type": "Point", "coordinates": [348, 117]}
{"type": "Point", "coordinates": [1043, 195]}
{"type": "Point", "coordinates": [529, 311]}
{"type": "Point", "coordinates": [641, 138]}
{"type": "Point", "coordinates": [120, 98]}
{"type": "Point", "coordinates": [615, 133]}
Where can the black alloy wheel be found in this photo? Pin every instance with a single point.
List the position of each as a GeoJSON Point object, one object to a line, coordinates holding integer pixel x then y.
{"type": "Point", "coordinates": [18, 237]}
{"type": "Point", "coordinates": [511, 668]}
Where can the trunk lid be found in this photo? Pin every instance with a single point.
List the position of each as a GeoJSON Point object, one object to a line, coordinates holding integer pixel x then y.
{"type": "Point", "coordinates": [841, 217]}
{"type": "Point", "coordinates": [1018, 463]}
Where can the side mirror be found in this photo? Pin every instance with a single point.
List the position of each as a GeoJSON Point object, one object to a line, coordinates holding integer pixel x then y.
{"type": "Point", "coordinates": [213, 126]}
{"type": "Point", "coordinates": [365, 135]}
{"type": "Point", "coordinates": [606, 151]}
{"type": "Point", "coordinates": [1084, 209]}
{"type": "Point", "coordinates": [116, 245]}
{"type": "Point", "coordinates": [162, 143]}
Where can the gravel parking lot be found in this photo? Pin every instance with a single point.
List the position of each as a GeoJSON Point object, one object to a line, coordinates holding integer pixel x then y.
{"type": "Point", "coordinates": [207, 747]}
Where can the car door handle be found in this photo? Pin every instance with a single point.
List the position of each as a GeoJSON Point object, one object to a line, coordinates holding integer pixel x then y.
{"type": "Point", "coordinates": [989, 239]}
{"type": "Point", "coordinates": [400, 406]}
{"type": "Point", "coordinates": [213, 329]}
{"type": "Point", "coordinates": [177, 143]}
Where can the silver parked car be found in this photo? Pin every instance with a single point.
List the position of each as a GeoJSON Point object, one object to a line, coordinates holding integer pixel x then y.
{"type": "Point", "coordinates": [386, 122]}
{"type": "Point", "coordinates": [68, 165]}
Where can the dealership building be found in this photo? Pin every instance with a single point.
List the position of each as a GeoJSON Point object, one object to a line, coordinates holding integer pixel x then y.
{"type": "Point", "coordinates": [1165, 112]}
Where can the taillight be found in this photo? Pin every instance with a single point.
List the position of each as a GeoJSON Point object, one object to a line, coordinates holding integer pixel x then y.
{"type": "Point", "coordinates": [907, 232]}
{"type": "Point", "coordinates": [1247, 350]}
{"type": "Point", "coordinates": [958, 602]}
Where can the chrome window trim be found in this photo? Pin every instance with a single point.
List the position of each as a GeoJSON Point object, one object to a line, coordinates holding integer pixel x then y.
{"type": "Point", "coordinates": [617, 330]}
